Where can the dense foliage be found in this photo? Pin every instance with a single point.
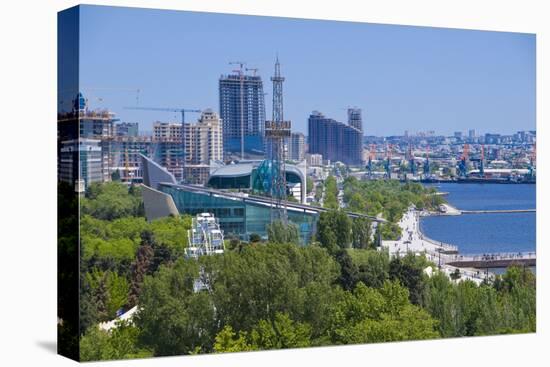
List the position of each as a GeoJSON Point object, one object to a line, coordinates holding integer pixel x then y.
{"type": "Point", "coordinates": [331, 193]}
{"type": "Point", "coordinates": [388, 198]}
{"type": "Point", "coordinates": [275, 294]}
{"type": "Point", "coordinates": [117, 253]}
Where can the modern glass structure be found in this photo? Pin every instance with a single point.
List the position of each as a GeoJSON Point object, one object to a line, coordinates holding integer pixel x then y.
{"type": "Point", "coordinates": [238, 215]}
{"type": "Point", "coordinates": [257, 177]}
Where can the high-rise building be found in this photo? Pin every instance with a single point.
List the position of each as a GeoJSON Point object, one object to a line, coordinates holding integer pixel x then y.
{"type": "Point", "coordinates": [355, 118]}
{"type": "Point", "coordinates": [334, 140]}
{"type": "Point", "coordinates": [314, 160]}
{"type": "Point", "coordinates": [203, 143]}
{"type": "Point", "coordinates": [99, 124]}
{"type": "Point", "coordinates": [297, 147]}
{"type": "Point", "coordinates": [126, 156]}
{"type": "Point", "coordinates": [242, 110]}
{"type": "Point", "coordinates": [168, 150]}
{"type": "Point", "coordinates": [80, 160]}
{"type": "Point", "coordinates": [471, 133]}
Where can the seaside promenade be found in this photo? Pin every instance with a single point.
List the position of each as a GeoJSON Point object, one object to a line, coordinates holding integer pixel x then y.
{"type": "Point", "coordinates": [413, 240]}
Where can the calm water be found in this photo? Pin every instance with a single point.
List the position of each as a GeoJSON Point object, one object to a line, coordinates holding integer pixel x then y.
{"type": "Point", "coordinates": [484, 233]}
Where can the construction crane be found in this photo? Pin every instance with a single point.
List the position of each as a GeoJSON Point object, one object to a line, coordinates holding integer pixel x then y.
{"type": "Point", "coordinates": [111, 89]}
{"type": "Point", "coordinates": [253, 70]}
{"type": "Point", "coordinates": [180, 110]}
{"type": "Point", "coordinates": [412, 163]}
{"type": "Point", "coordinates": [482, 162]}
{"type": "Point", "coordinates": [427, 162]}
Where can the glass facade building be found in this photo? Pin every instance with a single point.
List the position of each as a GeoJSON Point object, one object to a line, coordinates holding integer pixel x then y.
{"type": "Point", "coordinates": [238, 215]}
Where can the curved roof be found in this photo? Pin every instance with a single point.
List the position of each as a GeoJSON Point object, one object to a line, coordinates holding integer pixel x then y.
{"type": "Point", "coordinates": [245, 169]}
{"type": "Point", "coordinates": [234, 170]}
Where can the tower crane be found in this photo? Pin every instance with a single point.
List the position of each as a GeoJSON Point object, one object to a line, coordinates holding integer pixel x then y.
{"type": "Point", "coordinates": [179, 110]}
{"type": "Point", "coordinates": [412, 163]}
{"type": "Point", "coordinates": [463, 164]}
{"type": "Point", "coordinates": [427, 162]}
{"type": "Point", "coordinates": [482, 162]}
{"type": "Point", "coordinates": [253, 70]}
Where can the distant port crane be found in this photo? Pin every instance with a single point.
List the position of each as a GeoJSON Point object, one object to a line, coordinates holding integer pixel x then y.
{"type": "Point", "coordinates": [463, 163]}
{"type": "Point", "coordinates": [427, 162]}
{"type": "Point", "coordinates": [412, 163]}
{"type": "Point", "coordinates": [482, 163]}
{"type": "Point", "coordinates": [371, 158]}
{"type": "Point", "coordinates": [387, 163]}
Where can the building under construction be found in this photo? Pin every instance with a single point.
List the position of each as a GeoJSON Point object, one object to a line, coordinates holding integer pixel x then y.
{"type": "Point", "coordinates": [242, 110]}
{"type": "Point", "coordinates": [189, 162]}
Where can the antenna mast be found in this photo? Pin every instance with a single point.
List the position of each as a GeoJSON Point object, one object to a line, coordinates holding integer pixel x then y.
{"type": "Point", "coordinates": [276, 131]}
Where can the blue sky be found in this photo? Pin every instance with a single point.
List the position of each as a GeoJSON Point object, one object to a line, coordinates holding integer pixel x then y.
{"type": "Point", "coordinates": [404, 78]}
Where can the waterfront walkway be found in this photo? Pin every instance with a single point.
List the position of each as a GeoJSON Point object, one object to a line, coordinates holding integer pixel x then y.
{"type": "Point", "coordinates": [500, 260]}
{"type": "Point", "coordinates": [413, 240]}
{"type": "Point", "coordinates": [446, 256]}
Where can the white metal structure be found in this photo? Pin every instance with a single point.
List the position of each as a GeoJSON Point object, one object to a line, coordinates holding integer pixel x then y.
{"type": "Point", "coordinates": [205, 237]}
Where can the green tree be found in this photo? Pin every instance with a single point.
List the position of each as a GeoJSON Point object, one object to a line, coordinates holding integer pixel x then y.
{"type": "Point", "coordinates": [372, 266]}
{"type": "Point", "coordinates": [255, 238]}
{"type": "Point", "coordinates": [409, 271]}
{"type": "Point", "coordinates": [228, 341]}
{"type": "Point", "coordinates": [109, 201]}
{"type": "Point", "coordinates": [115, 176]}
{"type": "Point", "coordinates": [309, 185]}
{"type": "Point", "coordinates": [121, 342]}
{"type": "Point", "coordinates": [118, 289]}
{"type": "Point", "coordinates": [280, 333]}
{"type": "Point", "coordinates": [278, 232]}
{"type": "Point", "coordinates": [140, 268]}
{"type": "Point", "coordinates": [171, 232]}
{"type": "Point", "coordinates": [368, 315]}
{"type": "Point", "coordinates": [361, 233]}
{"type": "Point", "coordinates": [174, 319]}
{"type": "Point", "coordinates": [334, 230]}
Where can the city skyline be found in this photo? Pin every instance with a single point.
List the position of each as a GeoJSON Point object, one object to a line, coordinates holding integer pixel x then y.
{"type": "Point", "coordinates": [492, 73]}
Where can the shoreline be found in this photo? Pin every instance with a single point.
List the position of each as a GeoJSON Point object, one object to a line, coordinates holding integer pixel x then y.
{"type": "Point", "coordinates": [413, 240]}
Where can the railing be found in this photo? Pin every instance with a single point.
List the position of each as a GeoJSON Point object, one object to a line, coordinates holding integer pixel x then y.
{"type": "Point", "coordinates": [493, 257]}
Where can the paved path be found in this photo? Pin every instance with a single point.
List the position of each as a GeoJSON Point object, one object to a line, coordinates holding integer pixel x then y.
{"type": "Point", "coordinates": [413, 240]}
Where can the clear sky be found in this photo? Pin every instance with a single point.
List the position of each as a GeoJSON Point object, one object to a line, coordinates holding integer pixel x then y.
{"type": "Point", "coordinates": [404, 78]}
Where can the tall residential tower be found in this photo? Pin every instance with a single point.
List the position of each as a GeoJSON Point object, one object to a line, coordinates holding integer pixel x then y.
{"type": "Point", "coordinates": [335, 140]}
{"type": "Point", "coordinates": [242, 110]}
